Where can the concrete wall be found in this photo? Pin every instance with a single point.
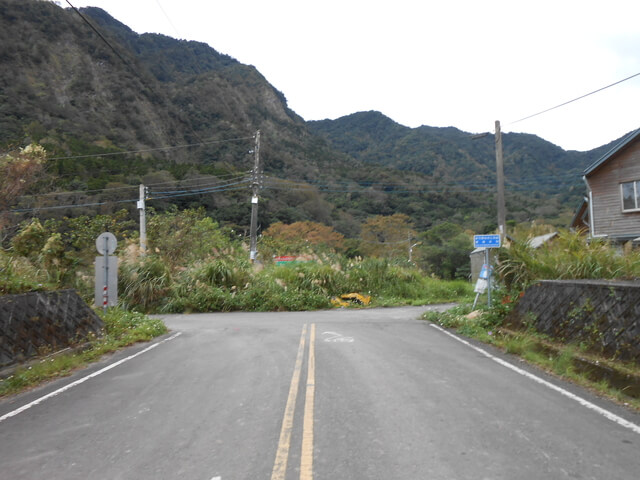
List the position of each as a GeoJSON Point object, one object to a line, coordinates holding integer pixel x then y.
{"type": "Point", "coordinates": [603, 315]}
{"type": "Point", "coordinates": [37, 322]}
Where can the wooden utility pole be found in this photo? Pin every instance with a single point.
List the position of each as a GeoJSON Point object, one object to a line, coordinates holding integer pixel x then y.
{"type": "Point", "coordinates": [502, 228]}
{"type": "Point", "coordinates": [255, 184]}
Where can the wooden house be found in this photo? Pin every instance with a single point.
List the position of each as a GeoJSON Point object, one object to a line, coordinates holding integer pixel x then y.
{"type": "Point", "coordinates": [612, 207]}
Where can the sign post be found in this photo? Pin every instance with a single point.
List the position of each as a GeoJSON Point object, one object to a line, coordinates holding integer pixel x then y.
{"type": "Point", "coordinates": [484, 279]}
{"type": "Point", "coordinates": [106, 291]}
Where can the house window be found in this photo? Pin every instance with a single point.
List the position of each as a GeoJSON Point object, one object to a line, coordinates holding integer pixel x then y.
{"type": "Point", "coordinates": [630, 195]}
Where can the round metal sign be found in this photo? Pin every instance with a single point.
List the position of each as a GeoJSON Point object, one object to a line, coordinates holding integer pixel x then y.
{"type": "Point", "coordinates": [106, 243]}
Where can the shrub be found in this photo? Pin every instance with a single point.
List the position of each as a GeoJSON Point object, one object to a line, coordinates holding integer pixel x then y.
{"type": "Point", "coordinates": [30, 239]}
{"type": "Point", "coordinates": [144, 284]}
{"type": "Point", "coordinates": [569, 256]}
{"type": "Point", "coordinates": [199, 297]}
{"type": "Point", "coordinates": [18, 275]}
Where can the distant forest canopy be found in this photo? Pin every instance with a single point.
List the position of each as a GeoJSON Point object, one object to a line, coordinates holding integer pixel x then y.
{"type": "Point", "coordinates": [187, 114]}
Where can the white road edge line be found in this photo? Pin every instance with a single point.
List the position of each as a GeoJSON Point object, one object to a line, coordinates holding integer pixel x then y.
{"type": "Point", "coordinates": [84, 379]}
{"type": "Point", "coordinates": [585, 403]}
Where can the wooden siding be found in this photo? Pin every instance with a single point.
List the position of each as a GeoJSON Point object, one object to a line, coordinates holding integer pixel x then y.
{"type": "Point", "coordinates": [608, 217]}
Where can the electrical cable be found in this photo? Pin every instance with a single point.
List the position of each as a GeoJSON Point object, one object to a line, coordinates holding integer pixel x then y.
{"type": "Point", "coordinates": [95, 204]}
{"type": "Point", "coordinates": [211, 190]}
{"type": "Point", "coordinates": [146, 150]}
{"type": "Point", "coordinates": [203, 187]}
{"type": "Point", "coordinates": [235, 186]}
{"type": "Point", "coordinates": [197, 179]}
{"type": "Point", "coordinates": [279, 184]}
{"type": "Point", "coordinates": [167, 17]}
{"type": "Point", "coordinates": [127, 64]}
{"type": "Point", "coordinates": [575, 99]}
{"type": "Point", "coordinates": [79, 192]}
{"type": "Point", "coordinates": [99, 34]}
{"type": "Point", "coordinates": [133, 187]}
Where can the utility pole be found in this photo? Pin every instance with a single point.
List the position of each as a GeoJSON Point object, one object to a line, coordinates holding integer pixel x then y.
{"type": "Point", "coordinates": [143, 220]}
{"type": "Point", "coordinates": [255, 184]}
{"type": "Point", "coordinates": [502, 229]}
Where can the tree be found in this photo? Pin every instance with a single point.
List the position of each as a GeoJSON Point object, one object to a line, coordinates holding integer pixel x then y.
{"type": "Point", "coordinates": [300, 233]}
{"type": "Point", "coordinates": [445, 251]}
{"type": "Point", "coordinates": [387, 236]}
{"type": "Point", "coordinates": [183, 236]}
{"type": "Point", "coordinates": [18, 171]}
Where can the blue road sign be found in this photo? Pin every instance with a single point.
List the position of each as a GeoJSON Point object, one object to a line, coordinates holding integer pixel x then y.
{"type": "Point", "coordinates": [486, 241]}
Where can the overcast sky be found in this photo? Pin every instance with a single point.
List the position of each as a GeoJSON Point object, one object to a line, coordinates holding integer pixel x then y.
{"type": "Point", "coordinates": [460, 63]}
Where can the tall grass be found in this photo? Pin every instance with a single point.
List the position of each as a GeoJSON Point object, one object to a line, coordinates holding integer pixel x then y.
{"type": "Point", "coordinates": [224, 286]}
{"type": "Point", "coordinates": [569, 256]}
{"type": "Point", "coordinates": [144, 284]}
{"type": "Point", "coordinates": [18, 275]}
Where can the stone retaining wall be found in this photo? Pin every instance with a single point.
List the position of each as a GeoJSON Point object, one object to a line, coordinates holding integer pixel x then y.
{"type": "Point", "coordinates": [603, 315]}
{"type": "Point", "coordinates": [35, 322]}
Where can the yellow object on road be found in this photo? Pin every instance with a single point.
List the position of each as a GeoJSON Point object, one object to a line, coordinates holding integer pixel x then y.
{"type": "Point", "coordinates": [344, 300]}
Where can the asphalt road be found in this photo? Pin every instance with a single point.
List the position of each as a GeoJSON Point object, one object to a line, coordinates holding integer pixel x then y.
{"type": "Point", "coordinates": [342, 394]}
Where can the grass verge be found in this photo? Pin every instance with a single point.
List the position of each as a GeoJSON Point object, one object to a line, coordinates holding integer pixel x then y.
{"type": "Point", "coordinates": [122, 328]}
{"type": "Point", "coordinates": [619, 381]}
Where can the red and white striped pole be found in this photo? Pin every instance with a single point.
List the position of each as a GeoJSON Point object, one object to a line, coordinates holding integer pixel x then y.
{"type": "Point", "coordinates": [105, 292]}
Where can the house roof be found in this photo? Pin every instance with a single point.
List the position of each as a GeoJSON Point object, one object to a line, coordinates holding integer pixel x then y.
{"type": "Point", "coordinates": [537, 242]}
{"type": "Point", "coordinates": [602, 160]}
{"type": "Point", "coordinates": [579, 217]}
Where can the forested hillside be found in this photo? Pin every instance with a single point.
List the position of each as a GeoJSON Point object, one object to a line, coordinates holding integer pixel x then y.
{"type": "Point", "coordinates": [449, 153]}
{"type": "Point", "coordinates": [117, 109]}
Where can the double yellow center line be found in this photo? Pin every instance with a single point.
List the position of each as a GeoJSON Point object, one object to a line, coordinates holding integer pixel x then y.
{"type": "Point", "coordinates": [306, 456]}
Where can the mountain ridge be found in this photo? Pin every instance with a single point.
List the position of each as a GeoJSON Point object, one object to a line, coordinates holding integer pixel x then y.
{"type": "Point", "coordinates": [62, 86]}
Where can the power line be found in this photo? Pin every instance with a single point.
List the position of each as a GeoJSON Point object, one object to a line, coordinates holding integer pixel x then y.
{"type": "Point", "coordinates": [575, 99]}
{"type": "Point", "coordinates": [58, 207]}
{"type": "Point", "coordinates": [146, 150]}
{"type": "Point", "coordinates": [198, 179]}
{"type": "Point", "coordinates": [201, 192]}
{"type": "Point", "coordinates": [99, 34]}
{"type": "Point", "coordinates": [167, 17]}
{"type": "Point", "coordinates": [347, 187]}
{"type": "Point", "coordinates": [78, 192]}
{"type": "Point", "coordinates": [112, 190]}
{"type": "Point", "coordinates": [202, 187]}
{"type": "Point", "coordinates": [206, 181]}
{"type": "Point", "coordinates": [211, 189]}
{"type": "Point", "coordinates": [231, 185]}
{"type": "Point", "coordinates": [127, 64]}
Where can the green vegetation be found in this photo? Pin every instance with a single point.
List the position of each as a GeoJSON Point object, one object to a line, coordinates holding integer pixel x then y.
{"type": "Point", "coordinates": [349, 197]}
{"type": "Point", "coordinates": [444, 251]}
{"type": "Point", "coordinates": [194, 265]}
{"type": "Point", "coordinates": [568, 256]}
{"type": "Point", "coordinates": [571, 362]}
{"type": "Point", "coordinates": [457, 166]}
{"type": "Point", "coordinates": [64, 89]}
{"type": "Point", "coordinates": [121, 329]}
{"type": "Point", "coordinates": [229, 282]}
